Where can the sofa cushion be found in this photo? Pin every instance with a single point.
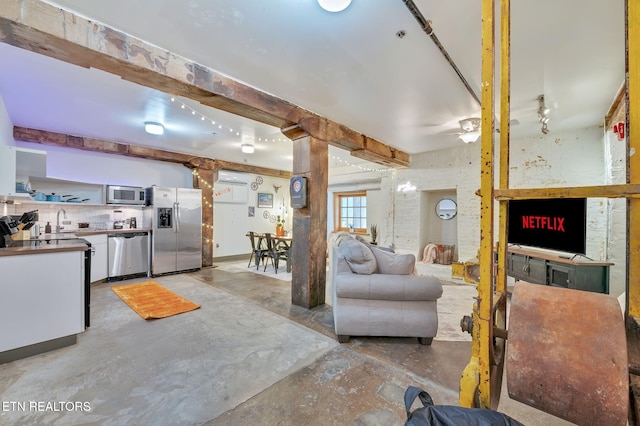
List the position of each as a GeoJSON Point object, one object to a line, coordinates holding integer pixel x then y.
{"type": "Point", "coordinates": [394, 263]}
{"type": "Point", "coordinates": [371, 246]}
{"type": "Point", "coordinates": [387, 287]}
{"type": "Point", "coordinates": [357, 255]}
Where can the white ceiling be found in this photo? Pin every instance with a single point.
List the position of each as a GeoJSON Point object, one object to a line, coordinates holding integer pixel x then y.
{"type": "Point", "coordinates": [349, 66]}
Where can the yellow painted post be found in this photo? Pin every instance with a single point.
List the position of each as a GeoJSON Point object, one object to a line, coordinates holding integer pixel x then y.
{"type": "Point", "coordinates": [505, 105]}
{"type": "Point", "coordinates": [499, 316]}
{"type": "Point", "coordinates": [471, 374]}
{"type": "Point", "coordinates": [633, 162]}
{"type": "Point", "coordinates": [475, 383]}
{"type": "Point", "coordinates": [485, 288]}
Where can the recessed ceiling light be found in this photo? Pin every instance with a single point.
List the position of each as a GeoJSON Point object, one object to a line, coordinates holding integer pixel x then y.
{"type": "Point", "coordinates": [334, 5]}
{"type": "Point", "coordinates": [153, 128]}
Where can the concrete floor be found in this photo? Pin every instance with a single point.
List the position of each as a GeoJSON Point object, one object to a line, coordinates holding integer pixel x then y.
{"type": "Point", "coordinates": [247, 356]}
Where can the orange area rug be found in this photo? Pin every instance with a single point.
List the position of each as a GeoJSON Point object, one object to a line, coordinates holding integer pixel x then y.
{"type": "Point", "coordinates": [150, 300]}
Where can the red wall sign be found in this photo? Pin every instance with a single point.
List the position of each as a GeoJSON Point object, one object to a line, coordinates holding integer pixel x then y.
{"type": "Point", "coordinates": [618, 129]}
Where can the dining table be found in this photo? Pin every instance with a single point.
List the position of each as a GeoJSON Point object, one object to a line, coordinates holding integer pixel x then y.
{"type": "Point", "coordinates": [286, 240]}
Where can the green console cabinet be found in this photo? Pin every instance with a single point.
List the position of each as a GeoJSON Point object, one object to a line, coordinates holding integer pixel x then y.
{"type": "Point", "coordinates": [548, 268]}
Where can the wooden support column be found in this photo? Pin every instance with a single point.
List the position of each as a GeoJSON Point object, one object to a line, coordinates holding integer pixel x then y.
{"type": "Point", "coordinates": [309, 259]}
{"type": "Point", "coordinates": [203, 179]}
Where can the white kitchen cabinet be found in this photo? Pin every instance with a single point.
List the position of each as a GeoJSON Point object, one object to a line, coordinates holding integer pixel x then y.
{"type": "Point", "coordinates": [42, 298]}
{"type": "Point", "coordinates": [99, 256]}
{"type": "Point", "coordinates": [20, 164]}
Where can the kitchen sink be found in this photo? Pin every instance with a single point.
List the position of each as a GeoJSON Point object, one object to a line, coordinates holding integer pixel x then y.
{"type": "Point", "coordinates": [57, 236]}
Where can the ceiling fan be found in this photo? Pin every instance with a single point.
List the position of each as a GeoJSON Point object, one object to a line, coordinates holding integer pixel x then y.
{"type": "Point", "coordinates": [470, 130]}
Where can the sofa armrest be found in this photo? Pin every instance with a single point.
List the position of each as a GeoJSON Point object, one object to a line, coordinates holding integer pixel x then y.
{"type": "Point", "coordinates": [387, 287]}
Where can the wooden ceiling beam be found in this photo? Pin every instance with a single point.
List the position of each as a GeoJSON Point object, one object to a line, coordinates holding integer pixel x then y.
{"type": "Point", "coordinates": [43, 28]}
{"type": "Point", "coordinates": [245, 168]}
{"type": "Point", "coordinates": [359, 145]}
{"type": "Point", "coordinates": [46, 137]}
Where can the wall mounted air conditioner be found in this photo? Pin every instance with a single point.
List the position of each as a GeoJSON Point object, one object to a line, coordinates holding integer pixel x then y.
{"type": "Point", "coordinates": [235, 178]}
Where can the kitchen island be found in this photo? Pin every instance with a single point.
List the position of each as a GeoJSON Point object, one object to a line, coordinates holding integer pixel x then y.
{"type": "Point", "coordinates": [44, 300]}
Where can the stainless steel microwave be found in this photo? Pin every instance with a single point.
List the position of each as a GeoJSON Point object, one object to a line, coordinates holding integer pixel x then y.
{"type": "Point", "coordinates": [125, 195]}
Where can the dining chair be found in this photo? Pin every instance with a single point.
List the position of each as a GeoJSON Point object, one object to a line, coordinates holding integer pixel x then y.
{"type": "Point", "coordinates": [286, 249]}
{"type": "Point", "coordinates": [274, 252]}
{"type": "Point", "coordinates": [256, 249]}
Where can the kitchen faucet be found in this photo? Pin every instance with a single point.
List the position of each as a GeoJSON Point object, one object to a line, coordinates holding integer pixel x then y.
{"type": "Point", "coordinates": [58, 219]}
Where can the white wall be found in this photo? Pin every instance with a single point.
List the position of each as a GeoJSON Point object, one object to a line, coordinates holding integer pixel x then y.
{"type": "Point", "coordinates": [559, 160]}
{"type": "Point", "coordinates": [554, 160]}
{"type": "Point", "coordinates": [433, 229]}
{"type": "Point", "coordinates": [376, 204]}
{"type": "Point", "coordinates": [615, 160]}
{"type": "Point", "coordinates": [231, 220]}
{"type": "Point", "coordinates": [6, 126]}
{"type": "Point", "coordinates": [455, 170]}
{"type": "Point", "coordinates": [375, 212]}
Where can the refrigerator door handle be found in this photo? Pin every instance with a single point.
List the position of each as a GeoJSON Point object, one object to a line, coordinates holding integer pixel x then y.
{"type": "Point", "coordinates": [176, 214]}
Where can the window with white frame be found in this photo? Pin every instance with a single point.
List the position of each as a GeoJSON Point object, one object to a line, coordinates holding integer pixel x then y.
{"type": "Point", "coordinates": [351, 211]}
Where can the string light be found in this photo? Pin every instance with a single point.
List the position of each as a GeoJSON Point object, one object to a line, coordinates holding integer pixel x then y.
{"type": "Point", "coordinates": [202, 183]}
{"type": "Point", "coordinates": [222, 127]}
{"type": "Point", "coordinates": [206, 227]}
{"type": "Point", "coordinates": [361, 166]}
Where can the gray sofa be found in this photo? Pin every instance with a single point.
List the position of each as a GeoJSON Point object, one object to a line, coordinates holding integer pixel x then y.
{"type": "Point", "coordinates": [377, 293]}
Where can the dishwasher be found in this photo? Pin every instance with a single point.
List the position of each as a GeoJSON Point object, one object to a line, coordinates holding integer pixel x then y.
{"type": "Point", "coordinates": [128, 254]}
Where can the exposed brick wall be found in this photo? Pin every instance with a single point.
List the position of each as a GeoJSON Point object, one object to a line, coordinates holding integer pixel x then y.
{"type": "Point", "coordinates": [554, 160]}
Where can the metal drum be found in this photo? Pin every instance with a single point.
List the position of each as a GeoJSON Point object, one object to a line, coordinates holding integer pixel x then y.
{"type": "Point", "coordinates": [567, 354]}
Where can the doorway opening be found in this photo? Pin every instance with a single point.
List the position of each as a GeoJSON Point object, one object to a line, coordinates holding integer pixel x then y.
{"type": "Point", "coordinates": [438, 226]}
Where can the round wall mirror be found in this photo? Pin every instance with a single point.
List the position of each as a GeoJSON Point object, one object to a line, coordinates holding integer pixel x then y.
{"type": "Point", "coordinates": [446, 209]}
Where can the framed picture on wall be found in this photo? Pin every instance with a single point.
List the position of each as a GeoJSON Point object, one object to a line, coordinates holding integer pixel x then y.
{"type": "Point", "coordinates": [265, 200]}
{"type": "Point", "coordinates": [252, 211]}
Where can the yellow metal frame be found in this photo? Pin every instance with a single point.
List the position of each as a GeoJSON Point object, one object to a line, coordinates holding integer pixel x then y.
{"type": "Point", "coordinates": [633, 161]}
{"type": "Point", "coordinates": [483, 375]}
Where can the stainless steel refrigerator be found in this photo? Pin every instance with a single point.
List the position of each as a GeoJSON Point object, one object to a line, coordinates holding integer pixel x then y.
{"type": "Point", "coordinates": [175, 218]}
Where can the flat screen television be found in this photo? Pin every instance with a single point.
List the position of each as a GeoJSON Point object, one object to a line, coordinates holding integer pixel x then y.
{"type": "Point", "coordinates": [556, 224]}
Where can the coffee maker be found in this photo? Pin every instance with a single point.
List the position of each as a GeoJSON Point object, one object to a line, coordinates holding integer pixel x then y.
{"type": "Point", "coordinates": [118, 219]}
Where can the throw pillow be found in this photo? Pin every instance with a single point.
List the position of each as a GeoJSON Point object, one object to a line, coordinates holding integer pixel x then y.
{"type": "Point", "coordinates": [339, 236]}
{"type": "Point", "coordinates": [371, 246]}
{"type": "Point", "coordinates": [393, 263]}
{"type": "Point", "coordinates": [358, 256]}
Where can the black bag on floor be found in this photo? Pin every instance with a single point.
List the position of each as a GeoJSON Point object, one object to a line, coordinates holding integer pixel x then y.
{"type": "Point", "coordinates": [450, 415]}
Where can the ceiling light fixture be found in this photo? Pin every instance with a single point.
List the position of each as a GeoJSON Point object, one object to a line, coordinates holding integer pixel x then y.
{"type": "Point", "coordinates": [247, 148]}
{"type": "Point", "coordinates": [334, 5]}
{"type": "Point", "coordinates": [153, 128]}
{"type": "Point", "coordinates": [470, 130]}
{"type": "Point", "coordinates": [542, 114]}
{"type": "Point", "coordinates": [470, 137]}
